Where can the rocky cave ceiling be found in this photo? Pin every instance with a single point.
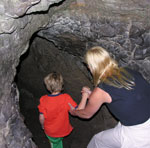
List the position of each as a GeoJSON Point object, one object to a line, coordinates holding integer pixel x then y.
{"type": "Point", "coordinates": [38, 36]}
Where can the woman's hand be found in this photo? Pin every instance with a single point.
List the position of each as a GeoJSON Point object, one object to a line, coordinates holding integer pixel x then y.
{"type": "Point", "coordinates": [86, 92]}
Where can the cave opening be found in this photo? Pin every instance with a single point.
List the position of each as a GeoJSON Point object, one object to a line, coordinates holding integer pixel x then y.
{"type": "Point", "coordinates": [44, 57]}
{"type": "Point", "coordinates": [29, 97]}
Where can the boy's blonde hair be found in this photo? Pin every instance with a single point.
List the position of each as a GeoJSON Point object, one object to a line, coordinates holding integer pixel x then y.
{"type": "Point", "coordinates": [54, 82]}
{"type": "Point", "coordinates": [105, 69]}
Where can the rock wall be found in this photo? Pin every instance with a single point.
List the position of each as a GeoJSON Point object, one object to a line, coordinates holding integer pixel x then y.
{"type": "Point", "coordinates": [127, 40]}
{"type": "Point", "coordinates": [16, 29]}
{"type": "Point", "coordinates": [120, 26]}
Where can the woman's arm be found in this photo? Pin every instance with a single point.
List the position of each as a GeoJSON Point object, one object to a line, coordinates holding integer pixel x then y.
{"type": "Point", "coordinates": [96, 99]}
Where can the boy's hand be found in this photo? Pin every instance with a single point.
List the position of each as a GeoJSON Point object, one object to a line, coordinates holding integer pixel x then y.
{"type": "Point", "coordinates": [42, 127]}
{"type": "Point", "coordinates": [72, 110]}
{"type": "Point", "coordinates": [41, 119]}
{"type": "Point", "coordinates": [71, 107]}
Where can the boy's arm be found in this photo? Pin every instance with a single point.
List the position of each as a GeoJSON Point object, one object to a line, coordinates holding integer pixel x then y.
{"type": "Point", "coordinates": [41, 119]}
{"type": "Point", "coordinates": [85, 95]}
{"type": "Point", "coordinates": [96, 99]}
{"type": "Point", "coordinates": [82, 102]}
{"type": "Point", "coordinates": [81, 105]}
{"type": "Point", "coordinates": [86, 92]}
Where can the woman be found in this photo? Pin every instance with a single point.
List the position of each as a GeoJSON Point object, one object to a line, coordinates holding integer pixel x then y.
{"type": "Point", "coordinates": [126, 94]}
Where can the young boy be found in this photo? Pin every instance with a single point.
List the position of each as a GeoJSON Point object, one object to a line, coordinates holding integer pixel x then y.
{"type": "Point", "coordinates": [54, 110]}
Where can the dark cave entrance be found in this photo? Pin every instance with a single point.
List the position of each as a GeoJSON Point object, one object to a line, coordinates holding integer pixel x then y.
{"type": "Point", "coordinates": [42, 58]}
{"type": "Point", "coordinates": [28, 101]}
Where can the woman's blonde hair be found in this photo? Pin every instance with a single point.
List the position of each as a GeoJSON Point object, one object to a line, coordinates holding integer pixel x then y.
{"type": "Point", "coordinates": [105, 69]}
{"type": "Point", "coordinates": [54, 82]}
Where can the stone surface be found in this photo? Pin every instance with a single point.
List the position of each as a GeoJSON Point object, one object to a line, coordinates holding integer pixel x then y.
{"type": "Point", "coordinates": [15, 33]}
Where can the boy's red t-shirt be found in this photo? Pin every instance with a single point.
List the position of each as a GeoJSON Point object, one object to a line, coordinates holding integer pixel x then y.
{"type": "Point", "coordinates": [56, 113]}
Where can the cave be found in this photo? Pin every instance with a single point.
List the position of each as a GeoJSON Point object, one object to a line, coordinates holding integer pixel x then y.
{"type": "Point", "coordinates": [42, 58]}
{"type": "Point", "coordinates": [41, 36]}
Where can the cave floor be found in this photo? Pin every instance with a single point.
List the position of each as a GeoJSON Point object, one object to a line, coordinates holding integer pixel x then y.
{"type": "Point", "coordinates": [32, 123]}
